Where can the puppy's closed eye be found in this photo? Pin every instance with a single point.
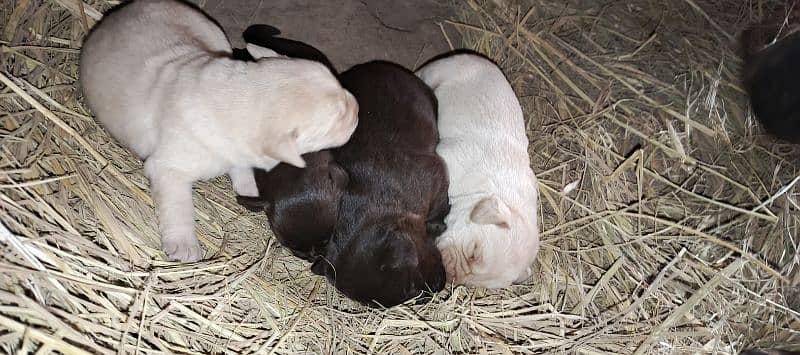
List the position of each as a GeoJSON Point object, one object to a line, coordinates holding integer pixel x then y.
{"type": "Point", "coordinates": [474, 253]}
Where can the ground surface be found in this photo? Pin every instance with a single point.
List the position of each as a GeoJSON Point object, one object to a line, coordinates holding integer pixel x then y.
{"type": "Point", "coordinates": [349, 32]}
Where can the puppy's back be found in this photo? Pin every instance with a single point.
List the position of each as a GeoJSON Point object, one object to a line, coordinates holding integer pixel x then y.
{"type": "Point", "coordinates": [474, 95]}
{"type": "Point", "coordinates": [126, 53]}
{"type": "Point", "coordinates": [301, 204]}
{"type": "Point", "coordinates": [144, 33]}
{"type": "Point", "coordinates": [481, 125]}
{"type": "Point", "coordinates": [397, 110]}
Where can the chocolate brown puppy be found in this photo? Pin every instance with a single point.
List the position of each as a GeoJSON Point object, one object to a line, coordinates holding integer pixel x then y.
{"type": "Point", "coordinates": [301, 204]}
{"type": "Point", "coordinates": [382, 251]}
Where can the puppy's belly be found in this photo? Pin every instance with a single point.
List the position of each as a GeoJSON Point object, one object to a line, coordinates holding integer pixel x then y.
{"type": "Point", "coordinates": [134, 128]}
{"type": "Point", "coordinates": [190, 159]}
{"type": "Point", "coordinates": [137, 136]}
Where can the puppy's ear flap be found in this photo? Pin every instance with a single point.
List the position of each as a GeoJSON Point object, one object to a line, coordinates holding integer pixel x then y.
{"type": "Point", "coordinates": [285, 149]}
{"type": "Point", "coordinates": [400, 254]}
{"type": "Point", "coordinates": [339, 176]}
{"type": "Point", "coordinates": [258, 52]}
{"type": "Point", "coordinates": [491, 210]}
{"type": "Point", "coordinates": [399, 251]}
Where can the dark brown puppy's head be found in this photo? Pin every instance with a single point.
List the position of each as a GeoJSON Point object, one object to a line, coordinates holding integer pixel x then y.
{"type": "Point", "coordinates": [770, 51]}
{"type": "Point", "coordinates": [301, 204]}
{"type": "Point", "coordinates": [385, 263]}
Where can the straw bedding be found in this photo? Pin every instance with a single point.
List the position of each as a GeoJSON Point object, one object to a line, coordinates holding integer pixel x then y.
{"type": "Point", "coordinates": [670, 222]}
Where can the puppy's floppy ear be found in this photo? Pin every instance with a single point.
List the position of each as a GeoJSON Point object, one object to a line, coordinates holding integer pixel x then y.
{"type": "Point", "coordinates": [285, 149]}
{"type": "Point", "coordinates": [258, 52]}
{"type": "Point", "coordinates": [339, 176]}
{"type": "Point", "coordinates": [400, 253]}
{"type": "Point", "coordinates": [491, 210]}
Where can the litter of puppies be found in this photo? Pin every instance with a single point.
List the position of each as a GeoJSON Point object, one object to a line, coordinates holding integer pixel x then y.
{"type": "Point", "coordinates": [380, 215]}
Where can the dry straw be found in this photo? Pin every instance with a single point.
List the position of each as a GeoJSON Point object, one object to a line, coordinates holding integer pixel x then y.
{"type": "Point", "coordinates": [670, 223]}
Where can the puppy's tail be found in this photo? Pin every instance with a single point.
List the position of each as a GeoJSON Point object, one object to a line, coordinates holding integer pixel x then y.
{"type": "Point", "coordinates": [255, 33]}
{"type": "Point", "coordinates": [266, 36]}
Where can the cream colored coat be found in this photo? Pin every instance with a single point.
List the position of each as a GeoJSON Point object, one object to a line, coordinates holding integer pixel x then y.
{"type": "Point", "coordinates": [492, 235]}
{"type": "Point", "coordinates": [158, 75]}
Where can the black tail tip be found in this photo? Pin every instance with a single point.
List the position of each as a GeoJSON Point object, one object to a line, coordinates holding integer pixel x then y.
{"type": "Point", "coordinates": [254, 32]}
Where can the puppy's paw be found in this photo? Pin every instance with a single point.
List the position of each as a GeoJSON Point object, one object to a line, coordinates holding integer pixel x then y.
{"type": "Point", "coordinates": [183, 248]}
{"type": "Point", "coordinates": [244, 182]}
{"type": "Point", "coordinates": [453, 260]}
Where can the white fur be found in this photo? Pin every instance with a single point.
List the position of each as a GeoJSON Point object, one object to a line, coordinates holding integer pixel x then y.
{"type": "Point", "coordinates": [492, 235]}
{"type": "Point", "coordinates": [159, 77]}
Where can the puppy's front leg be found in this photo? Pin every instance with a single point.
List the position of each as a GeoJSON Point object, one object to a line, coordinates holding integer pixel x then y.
{"type": "Point", "coordinates": [244, 182]}
{"type": "Point", "coordinates": [172, 194]}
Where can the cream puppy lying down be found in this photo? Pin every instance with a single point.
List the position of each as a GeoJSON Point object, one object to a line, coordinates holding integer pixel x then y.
{"type": "Point", "coordinates": [492, 235]}
{"type": "Point", "coordinates": [159, 76]}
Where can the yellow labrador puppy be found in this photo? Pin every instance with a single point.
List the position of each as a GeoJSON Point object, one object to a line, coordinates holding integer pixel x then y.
{"type": "Point", "coordinates": [492, 236]}
{"type": "Point", "coordinates": [159, 76]}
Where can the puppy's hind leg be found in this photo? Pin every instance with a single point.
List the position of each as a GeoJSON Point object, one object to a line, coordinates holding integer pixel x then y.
{"type": "Point", "coordinates": [172, 194]}
{"type": "Point", "coordinates": [244, 182]}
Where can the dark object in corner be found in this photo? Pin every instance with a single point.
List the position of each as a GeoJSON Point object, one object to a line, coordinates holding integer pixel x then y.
{"type": "Point", "coordinates": [771, 73]}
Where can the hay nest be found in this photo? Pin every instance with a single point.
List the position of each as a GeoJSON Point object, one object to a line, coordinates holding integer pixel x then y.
{"type": "Point", "coordinates": [670, 223]}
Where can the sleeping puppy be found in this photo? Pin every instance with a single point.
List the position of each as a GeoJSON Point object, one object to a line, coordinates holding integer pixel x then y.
{"type": "Point", "coordinates": [159, 76]}
{"type": "Point", "coordinates": [492, 236]}
{"type": "Point", "coordinates": [382, 251]}
{"type": "Point", "coordinates": [301, 204]}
